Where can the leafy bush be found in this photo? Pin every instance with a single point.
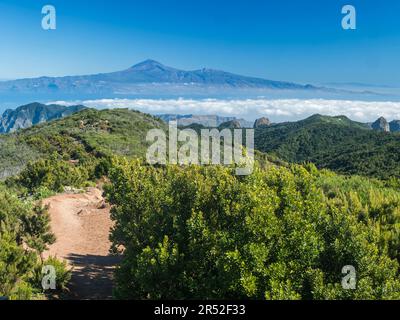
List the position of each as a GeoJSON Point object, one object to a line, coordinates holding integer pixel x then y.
{"type": "Point", "coordinates": [202, 232]}
{"type": "Point", "coordinates": [373, 202]}
{"type": "Point", "coordinates": [62, 271]}
{"type": "Point", "coordinates": [52, 174]}
{"type": "Point", "coordinates": [24, 236]}
{"type": "Point", "coordinates": [43, 193]}
{"type": "Point", "coordinates": [16, 266]}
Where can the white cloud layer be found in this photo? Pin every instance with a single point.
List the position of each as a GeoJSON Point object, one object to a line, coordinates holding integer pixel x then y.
{"type": "Point", "coordinates": [250, 109]}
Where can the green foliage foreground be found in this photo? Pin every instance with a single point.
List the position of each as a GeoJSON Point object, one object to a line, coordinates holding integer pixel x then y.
{"type": "Point", "coordinates": [202, 232]}
{"type": "Point", "coordinates": [24, 236]}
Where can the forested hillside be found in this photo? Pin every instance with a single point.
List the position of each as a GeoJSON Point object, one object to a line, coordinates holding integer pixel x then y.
{"type": "Point", "coordinates": [336, 143]}
{"type": "Point", "coordinates": [83, 137]}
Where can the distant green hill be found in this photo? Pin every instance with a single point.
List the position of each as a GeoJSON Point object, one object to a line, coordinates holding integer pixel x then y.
{"type": "Point", "coordinates": [336, 143]}
{"type": "Point", "coordinates": [82, 135]}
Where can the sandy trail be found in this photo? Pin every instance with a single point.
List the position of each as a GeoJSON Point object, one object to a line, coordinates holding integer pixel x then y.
{"type": "Point", "coordinates": [81, 224]}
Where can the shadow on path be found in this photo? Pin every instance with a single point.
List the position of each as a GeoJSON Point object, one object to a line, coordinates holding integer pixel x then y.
{"type": "Point", "coordinates": [92, 276]}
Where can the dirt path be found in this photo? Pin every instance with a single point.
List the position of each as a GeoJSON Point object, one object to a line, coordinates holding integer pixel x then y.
{"type": "Point", "coordinates": [81, 223]}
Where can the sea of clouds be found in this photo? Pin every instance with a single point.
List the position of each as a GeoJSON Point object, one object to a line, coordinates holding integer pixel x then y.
{"type": "Point", "coordinates": [277, 110]}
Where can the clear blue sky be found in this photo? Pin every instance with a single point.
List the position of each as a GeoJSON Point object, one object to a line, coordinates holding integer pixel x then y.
{"type": "Point", "coordinates": [290, 40]}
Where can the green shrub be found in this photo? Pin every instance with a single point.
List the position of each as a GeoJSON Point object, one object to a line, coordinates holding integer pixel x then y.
{"type": "Point", "coordinates": [62, 272]}
{"type": "Point", "coordinates": [43, 193]}
{"type": "Point", "coordinates": [204, 233]}
{"type": "Point", "coordinates": [24, 236]}
{"type": "Point", "coordinates": [52, 174]}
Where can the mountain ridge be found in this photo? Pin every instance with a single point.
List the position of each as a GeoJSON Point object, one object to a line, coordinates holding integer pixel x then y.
{"type": "Point", "coordinates": [146, 72]}
{"type": "Point", "coordinates": [335, 143]}
{"type": "Point", "coordinates": [34, 113]}
{"type": "Point", "coordinates": [204, 120]}
{"type": "Point", "coordinates": [86, 134]}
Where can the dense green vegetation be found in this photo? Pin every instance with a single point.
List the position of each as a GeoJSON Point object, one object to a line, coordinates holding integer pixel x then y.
{"type": "Point", "coordinates": [188, 232]}
{"type": "Point", "coordinates": [86, 137]}
{"type": "Point", "coordinates": [282, 233]}
{"type": "Point", "coordinates": [336, 143]}
{"type": "Point", "coordinates": [24, 236]}
{"type": "Point", "coordinates": [74, 151]}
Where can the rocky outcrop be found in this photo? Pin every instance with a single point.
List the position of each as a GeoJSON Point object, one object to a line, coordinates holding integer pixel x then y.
{"type": "Point", "coordinates": [262, 122]}
{"type": "Point", "coordinates": [32, 114]}
{"type": "Point", "coordinates": [381, 125]}
{"type": "Point", "coordinates": [394, 126]}
{"type": "Point", "coordinates": [211, 121]}
{"type": "Point", "coordinates": [234, 124]}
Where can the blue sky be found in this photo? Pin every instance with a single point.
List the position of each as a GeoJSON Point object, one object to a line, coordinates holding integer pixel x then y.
{"type": "Point", "coordinates": [291, 40]}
